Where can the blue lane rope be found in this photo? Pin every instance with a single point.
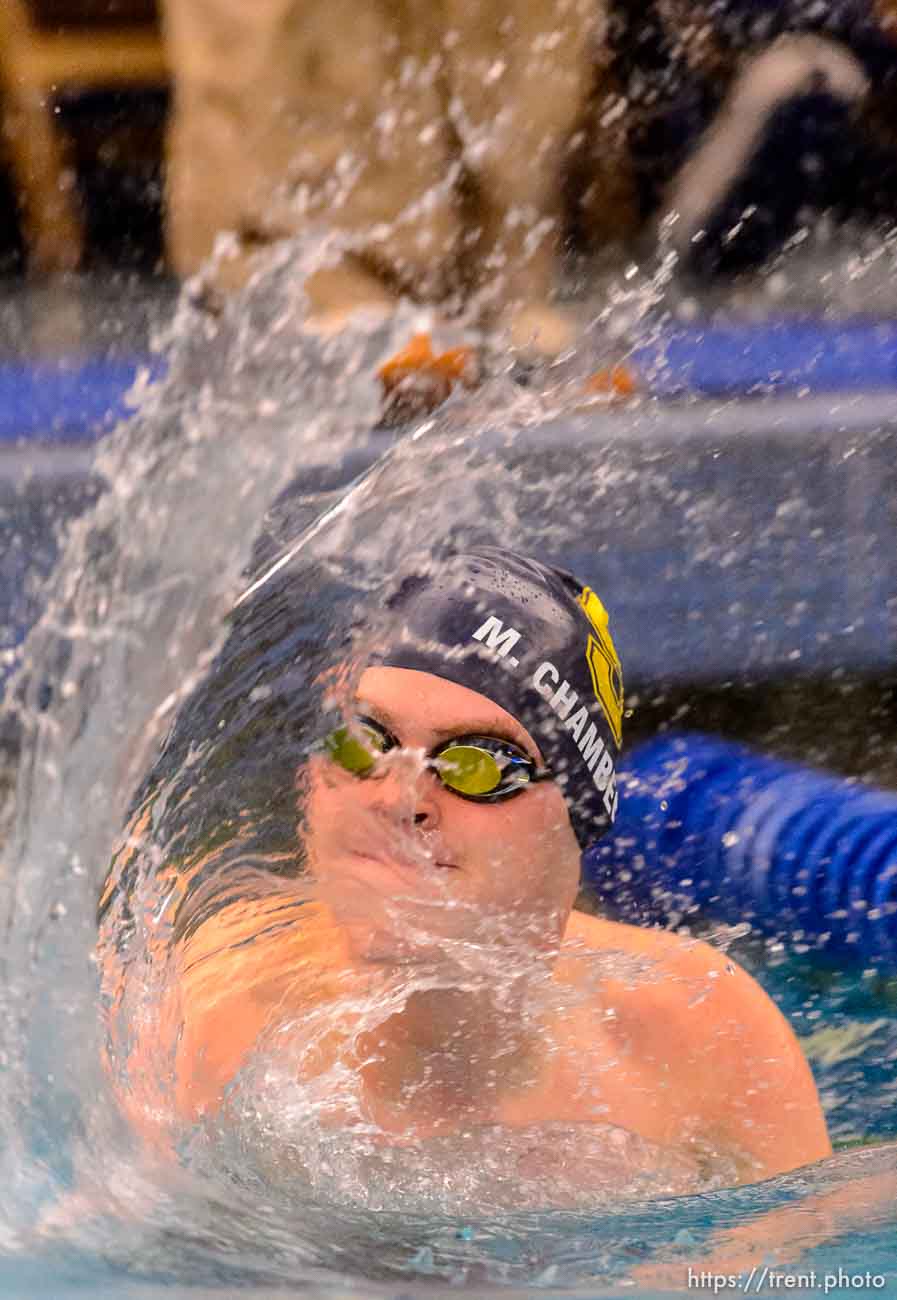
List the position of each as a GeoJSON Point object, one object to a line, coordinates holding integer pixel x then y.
{"type": "Point", "coordinates": [708, 826]}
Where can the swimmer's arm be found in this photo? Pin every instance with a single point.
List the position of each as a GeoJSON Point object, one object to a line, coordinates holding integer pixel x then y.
{"type": "Point", "coordinates": [207, 1017]}
{"type": "Point", "coordinates": [247, 967]}
{"type": "Point", "coordinates": [241, 970]}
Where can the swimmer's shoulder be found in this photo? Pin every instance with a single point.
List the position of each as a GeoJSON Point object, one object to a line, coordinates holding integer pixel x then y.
{"type": "Point", "coordinates": [670, 951]}
{"type": "Point", "coordinates": [708, 1035]}
{"type": "Point", "coordinates": [650, 970]}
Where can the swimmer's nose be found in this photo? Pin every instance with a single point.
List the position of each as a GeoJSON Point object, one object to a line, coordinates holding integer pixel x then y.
{"type": "Point", "coordinates": [405, 793]}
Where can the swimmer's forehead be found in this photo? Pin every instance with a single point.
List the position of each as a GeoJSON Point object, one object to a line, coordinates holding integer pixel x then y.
{"type": "Point", "coordinates": [405, 699]}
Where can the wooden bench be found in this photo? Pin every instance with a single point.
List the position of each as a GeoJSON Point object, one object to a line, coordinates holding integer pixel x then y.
{"type": "Point", "coordinates": [38, 59]}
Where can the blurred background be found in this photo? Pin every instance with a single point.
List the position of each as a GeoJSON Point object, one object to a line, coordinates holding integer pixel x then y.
{"type": "Point", "coordinates": [86, 94]}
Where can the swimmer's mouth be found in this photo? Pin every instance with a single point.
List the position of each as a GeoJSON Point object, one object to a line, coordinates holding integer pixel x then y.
{"type": "Point", "coordinates": [388, 859]}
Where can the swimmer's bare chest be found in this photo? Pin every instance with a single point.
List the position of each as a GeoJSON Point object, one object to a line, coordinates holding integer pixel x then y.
{"type": "Point", "coordinates": [623, 1057]}
{"type": "Point", "coordinates": [614, 1097]}
{"type": "Point", "coordinates": [651, 1044]}
{"type": "Point", "coordinates": [648, 1083]}
{"type": "Point", "coordinates": [605, 1055]}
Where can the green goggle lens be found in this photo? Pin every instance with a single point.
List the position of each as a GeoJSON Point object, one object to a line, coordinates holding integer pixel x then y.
{"type": "Point", "coordinates": [469, 770]}
{"type": "Point", "coordinates": [355, 751]}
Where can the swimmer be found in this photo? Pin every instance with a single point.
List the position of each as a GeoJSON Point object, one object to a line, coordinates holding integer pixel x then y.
{"type": "Point", "coordinates": [445, 814]}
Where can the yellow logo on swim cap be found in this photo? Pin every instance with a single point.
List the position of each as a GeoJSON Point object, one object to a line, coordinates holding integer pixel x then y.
{"type": "Point", "coordinates": [604, 663]}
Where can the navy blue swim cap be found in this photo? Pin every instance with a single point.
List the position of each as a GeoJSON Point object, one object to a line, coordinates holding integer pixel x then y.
{"type": "Point", "coordinates": [533, 640]}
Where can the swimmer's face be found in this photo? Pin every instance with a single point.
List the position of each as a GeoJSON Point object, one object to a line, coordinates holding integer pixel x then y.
{"type": "Point", "coordinates": [397, 845]}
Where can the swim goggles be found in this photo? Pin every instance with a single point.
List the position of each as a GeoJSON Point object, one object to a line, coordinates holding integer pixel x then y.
{"type": "Point", "coordinates": [480, 768]}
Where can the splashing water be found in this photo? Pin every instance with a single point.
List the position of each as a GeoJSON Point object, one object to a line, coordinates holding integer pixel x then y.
{"type": "Point", "coordinates": [173, 660]}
